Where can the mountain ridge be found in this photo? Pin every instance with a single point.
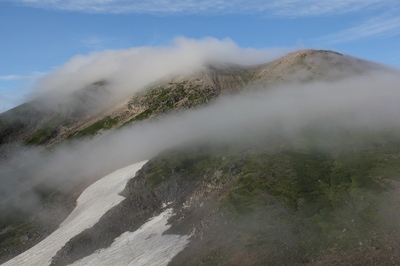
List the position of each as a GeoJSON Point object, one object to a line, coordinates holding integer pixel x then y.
{"type": "Point", "coordinates": [198, 88]}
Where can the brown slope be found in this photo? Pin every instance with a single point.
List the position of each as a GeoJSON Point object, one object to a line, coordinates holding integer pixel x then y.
{"type": "Point", "coordinates": [184, 92]}
{"type": "Point", "coordinates": [311, 65]}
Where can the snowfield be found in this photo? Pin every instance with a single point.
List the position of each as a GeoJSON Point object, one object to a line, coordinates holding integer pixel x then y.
{"type": "Point", "coordinates": [145, 246]}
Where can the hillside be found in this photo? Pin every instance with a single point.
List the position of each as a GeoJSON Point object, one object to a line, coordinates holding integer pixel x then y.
{"type": "Point", "coordinates": [85, 112]}
{"type": "Point", "coordinates": [316, 193]}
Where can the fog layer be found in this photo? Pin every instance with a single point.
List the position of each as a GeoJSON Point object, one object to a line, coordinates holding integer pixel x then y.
{"type": "Point", "coordinates": [129, 70]}
{"type": "Point", "coordinates": [364, 103]}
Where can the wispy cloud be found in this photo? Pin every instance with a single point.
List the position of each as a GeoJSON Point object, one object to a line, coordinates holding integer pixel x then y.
{"type": "Point", "coordinates": [382, 26]}
{"type": "Point", "coordinates": [96, 43]}
{"type": "Point", "coordinates": [15, 88]}
{"type": "Point", "coordinates": [279, 8]}
{"type": "Point", "coordinates": [31, 76]}
{"type": "Point", "coordinates": [11, 77]}
{"type": "Point", "coordinates": [313, 8]}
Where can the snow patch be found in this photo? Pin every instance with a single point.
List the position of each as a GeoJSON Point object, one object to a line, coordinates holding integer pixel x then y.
{"type": "Point", "coordinates": [93, 203]}
{"type": "Point", "coordinates": [145, 246]}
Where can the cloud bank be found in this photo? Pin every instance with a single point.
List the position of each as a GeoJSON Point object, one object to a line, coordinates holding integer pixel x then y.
{"type": "Point", "coordinates": [362, 104]}
{"type": "Point", "coordinates": [128, 71]}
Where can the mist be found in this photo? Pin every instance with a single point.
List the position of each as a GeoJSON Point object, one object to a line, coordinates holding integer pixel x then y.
{"type": "Point", "coordinates": [130, 70]}
{"type": "Point", "coordinates": [363, 103]}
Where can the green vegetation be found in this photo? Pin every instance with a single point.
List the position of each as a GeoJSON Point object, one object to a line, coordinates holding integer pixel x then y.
{"type": "Point", "coordinates": [105, 123]}
{"type": "Point", "coordinates": [169, 98]}
{"type": "Point", "coordinates": [293, 200]}
{"type": "Point", "coordinates": [189, 164]}
{"type": "Point", "coordinates": [46, 131]}
{"type": "Point", "coordinates": [100, 83]}
{"type": "Point", "coordinates": [334, 199]}
{"type": "Point", "coordinates": [14, 236]}
{"type": "Point", "coordinates": [20, 229]}
{"type": "Point", "coordinates": [41, 135]}
{"type": "Point", "coordinates": [142, 116]}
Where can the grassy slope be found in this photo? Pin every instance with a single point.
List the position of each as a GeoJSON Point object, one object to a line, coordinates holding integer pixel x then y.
{"type": "Point", "coordinates": [277, 203]}
{"type": "Point", "coordinates": [290, 206]}
{"type": "Point", "coordinates": [20, 230]}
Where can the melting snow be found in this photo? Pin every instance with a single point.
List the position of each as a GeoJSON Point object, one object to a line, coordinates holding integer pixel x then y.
{"type": "Point", "coordinates": [93, 203]}
{"type": "Point", "coordinates": [145, 246]}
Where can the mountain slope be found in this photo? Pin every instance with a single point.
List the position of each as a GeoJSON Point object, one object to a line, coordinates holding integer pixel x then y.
{"type": "Point", "coordinates": [310, 65]}
{"type": "Point", "coordinates": [261, 199]}
{"type": "Point", "coordinates": [33, 123]}
{"type": "Point", "coordinates": [283, 206]}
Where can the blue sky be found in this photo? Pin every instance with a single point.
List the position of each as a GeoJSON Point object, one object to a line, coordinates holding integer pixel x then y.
{"type": "Point", "coordinates": [37, 36]}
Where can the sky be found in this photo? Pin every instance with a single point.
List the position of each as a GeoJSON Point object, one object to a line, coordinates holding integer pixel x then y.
{"type": "Point", "coordinates": [39, 36]}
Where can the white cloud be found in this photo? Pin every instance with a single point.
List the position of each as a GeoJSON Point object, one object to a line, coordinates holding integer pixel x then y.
{"type": "Point", "coordinates": [33, 75]}
{"type": "Point", "coordinates": [382, 26]}
{"type": "Point", "coordinates": [310, 8]}
{"type": "Point", "coordinates": [95, 42]}
{"type": "Point", "coordinates": [129, 70]}
{"type": "Point", "coordinates": [11, 77]}
{"type": "Point", "coordinates": [280, 8]}
{"type": "Point", "coordinates": [366, 103]}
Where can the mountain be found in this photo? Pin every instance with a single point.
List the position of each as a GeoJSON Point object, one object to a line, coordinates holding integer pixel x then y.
{"type": "Point", "coordinates": [85, 112]}
{"type": "Point", "coordinates": [260, 164]}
